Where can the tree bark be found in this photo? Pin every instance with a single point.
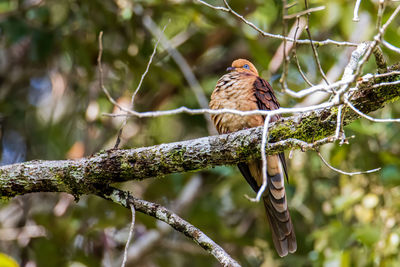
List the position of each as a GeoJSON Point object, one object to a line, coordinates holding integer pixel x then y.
{"type": "Point", "coordinates": [87, 175]}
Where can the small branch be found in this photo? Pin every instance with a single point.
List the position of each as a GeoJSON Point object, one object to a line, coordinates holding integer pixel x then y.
{"type": "Point", "coordinates": [377, 38]}
{"type": "Point", "coordinates": [285, 58]}
{"type": "Point", "coordinates": [297, 59]}
{"type": "Point", "coordinates": [150, 114]}
{"type": "Point", "coordinates": [338, 122]}
{"type": "Point", "coordinates": [184, 67]}
{"type": "Point", "coordinates": [304, 12]}
{"type": "Point", "coordinates": [278, 57]}
{"type": "Point", "coordinates": [161, 213]}
{"type": "Point", "coordinates": [129, 236]}
{"type": "Point", "coordinates": [315, 52]}
{"type": "Point", "coordinates": [86, 175]}
{"type": "Point", "coordinates": [151, 238]}
{"type": "Point", "coordinates": [369, 117]}
{"type": "Point", "coordinates": [132, 104]}
{"type": "Point", "coordinates": [343, 172]}
{"type": "Point", "coordinates": [228, 9]}
{"type": "Point", "coordinates": [385, 84]}
{"type": "Point", "coordinates": [391, 47]}
{"type": "Point", "coordinates": [369, 76]}
{"type": "Point", "coordinates": [355, 13]}
{"type": "Point", "coordinates": [264, 144]}
{"type": "Point", "coordinates": [381, 9]}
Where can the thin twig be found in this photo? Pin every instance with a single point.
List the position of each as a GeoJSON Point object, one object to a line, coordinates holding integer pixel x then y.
{"type": "Point", "coordinates": [381, 9]}
{"type": "Point", "coordinates": [129, 236]}
{"type": "Point", "coordinates": [297, 59]}
{"type": "Point", "coordinates": [369, 76]}
{"type": "Point", "coordinates": [132, 104]}
{"type": "Point", "coordinates": [184, 67]}
{"type": "Point", "coordinates": [285, 70]}
{"type": "Point", "coordinates": [278, 57]}
{"type": "Point", "coordinates": [151, 238]}
{"type": "Point", "coordinates": [356, 8]}
{"type": "Point", "coordinates": [100, 68]}
{"type": "Point", "coordinates": [228, 9]}
{"type": "Point", "coordinates": [366, 116]}
{"type": "Point", "coordinates": [391, 47]}
{"type": "Point", "coordinates": [385, 84]}
{"type": "Point", "coordinates": [304, 146]}
{"type": "Point", "coordinates": [183, 109]}
{"type": "Point", "coordinates": [344, 172]}
{"type": "Point", "coordinates": [161, 213]}
{"type": "Point", "coordinates": [264, 144]}
{"type": "Point", "coordinates": [304, 12]}
{"type": "Point", "coordinates": [365, 50]}
{"type": "Point", "coordinates": [338, 122]}
{"type": "Point", "coordinates": [315, 52]}
{"type": "Point", "coordinates": [375, 42]}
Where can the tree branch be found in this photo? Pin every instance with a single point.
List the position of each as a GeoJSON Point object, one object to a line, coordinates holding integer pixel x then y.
{"type": "Point", "coordinates": [87, 175]}
{"type": "Point", "coordinates": [161, 213]}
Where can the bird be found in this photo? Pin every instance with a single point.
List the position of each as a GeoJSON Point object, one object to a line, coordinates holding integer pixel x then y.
{"type": "Point", "coordinates": [242, 89]}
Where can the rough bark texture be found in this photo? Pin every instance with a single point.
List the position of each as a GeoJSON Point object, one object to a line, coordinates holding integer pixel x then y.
{"type": "Point", "coordinates": [86, 175]}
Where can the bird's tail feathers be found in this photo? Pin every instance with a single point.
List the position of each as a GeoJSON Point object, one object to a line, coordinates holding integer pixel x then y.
{"type": "Point", "coordinates": [276, 207]}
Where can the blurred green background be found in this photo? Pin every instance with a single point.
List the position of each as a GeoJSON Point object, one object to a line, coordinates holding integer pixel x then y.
{"type": "Point", "coordinates": [51, 108]}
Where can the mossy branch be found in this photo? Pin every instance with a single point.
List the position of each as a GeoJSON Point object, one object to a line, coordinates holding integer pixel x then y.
{"type": "Point", "coordinates": [88, 175]}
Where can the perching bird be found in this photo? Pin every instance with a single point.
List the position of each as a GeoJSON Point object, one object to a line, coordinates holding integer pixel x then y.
{"type": "Point", "coordinates": [242, 89]}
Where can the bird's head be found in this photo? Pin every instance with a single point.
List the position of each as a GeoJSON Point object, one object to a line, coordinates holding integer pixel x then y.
{"type": "Point", "coordinates": [243, 65]}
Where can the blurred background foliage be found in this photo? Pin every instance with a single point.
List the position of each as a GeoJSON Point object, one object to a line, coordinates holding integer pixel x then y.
{"type": "Point", "coordinates": [51, 107]}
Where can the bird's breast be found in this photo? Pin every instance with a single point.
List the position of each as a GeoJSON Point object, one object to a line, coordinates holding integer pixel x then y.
{"type": "Point", "coordinates": [234, 91]}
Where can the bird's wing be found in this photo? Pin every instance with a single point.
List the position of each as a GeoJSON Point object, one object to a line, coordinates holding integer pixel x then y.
{"type": "Point", "coordinates": [266, 100]}
{"type": "Point", "coordinates": [274, 198]}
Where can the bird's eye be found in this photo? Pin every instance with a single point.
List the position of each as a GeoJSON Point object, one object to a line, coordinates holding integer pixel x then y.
{"type": "Point", "coordinates": [246, 66]}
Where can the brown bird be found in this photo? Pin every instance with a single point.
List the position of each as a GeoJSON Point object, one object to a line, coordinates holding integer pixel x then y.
{"type": "Point", "coordinates": [242, 89]}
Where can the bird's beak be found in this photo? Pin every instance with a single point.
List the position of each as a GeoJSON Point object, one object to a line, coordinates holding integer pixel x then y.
{"type": "Point", "coordinates": [230, 68]}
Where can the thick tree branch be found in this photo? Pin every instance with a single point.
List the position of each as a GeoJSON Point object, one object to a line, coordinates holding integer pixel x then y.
{"type": "Point", "coordinates": [86, 175]}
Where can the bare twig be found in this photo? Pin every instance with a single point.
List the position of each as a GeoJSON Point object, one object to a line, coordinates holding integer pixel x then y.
{"type": "Point", "coordinates": [344, 172]}
{"type": "Point", "coordinates": [100, 68]}
{"type": "Point", "coordinates": [338, 122]}
{"type": "Point", "coordinates": [391, 47]}
{"type": "Point", "coordinates": [151, 238]}
{"type": "Point", "coordinates": [228, 9]}
{"type": "Point", "coordinates": [337, 70]}
{"type": "Point", "coordinates": [347, 78]}
{"type": "Point", "coordinates": [184, 67]}
{"type": "Point", "coordinates": [315, 52]}
{"type": "Point", "coordinates": [278, 57]}
{"type": "Point", "coordinates": [385, 84]}
{"type": "Point", "coordinates": [129, 236]}
{"type": "Point", "coordinates": [366, 116]}
{"type": "Point", "coordinates": [180, 110]}
{"type": "Point", "coordinates": [264, 144]}
{"type": "Point", "coordinates": [285, 60]}
{"type": "Point", "coordinates": [161, 213]}
{"type": "Point", "coordinates": [381, 9]}
{"type": "Point", "coordinates": [377, 38]}
{"type": "Point", "coordinates": [295, 55]}
{"type": "Point", "coordinates": [369, 76]}
{"type": "Point", "coordinates": [356, 8]}
{"type": "Point", "coordinates": [304, 12]}
{"type": "Point", "coordinates": [137, 88]}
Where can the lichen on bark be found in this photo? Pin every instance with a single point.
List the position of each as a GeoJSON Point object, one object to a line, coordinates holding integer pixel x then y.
{"type": "Point", "coordinates": [86, 175]}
